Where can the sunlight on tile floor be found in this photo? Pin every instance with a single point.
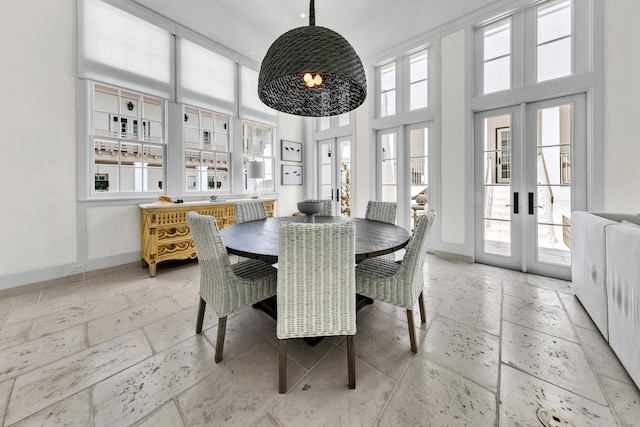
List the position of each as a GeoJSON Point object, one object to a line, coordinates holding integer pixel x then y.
{"type": "Point", "coordinates": [122, 350]}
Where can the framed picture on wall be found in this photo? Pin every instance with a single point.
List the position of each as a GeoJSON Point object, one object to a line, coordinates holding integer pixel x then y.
{"type": "Point", "coordinates": [291, 175]}
{"type": "Point", "coordinates": [290, 151]}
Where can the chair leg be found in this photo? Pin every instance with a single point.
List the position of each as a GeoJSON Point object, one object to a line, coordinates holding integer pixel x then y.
{"type": "Point", "coordinates": [222, 328]}
{"type": "Point", "coordinates": [282, 368]}
{"type": "Point", "coordinates": [423, 316]}
{"type": "Point", "coordinates": [351, 361]}
{"type": "Point", "coordinates": [203, 303]}
{"type": "Point", "coordinates": [412, 331]}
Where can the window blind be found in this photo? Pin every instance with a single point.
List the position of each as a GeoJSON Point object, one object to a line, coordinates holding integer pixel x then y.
{"type": "Point", "coordinates": [118, 48]}
{"type": "Point", "coordinates": [250, 105]}
{"type": "Point", "coordinates": [205, 78]}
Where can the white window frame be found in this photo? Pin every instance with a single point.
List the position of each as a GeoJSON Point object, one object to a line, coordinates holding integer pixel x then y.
{"type": "Point", "coordinates": [334, 122]}
{"type": "Point", "coordinates": [114, 138]}
{"type": "Point", "coordinates": [481, 35]}
{"type": "Point", "coordinates": [244, 106]}
{"type": "Point", "coordinates": [524, 46]}
{"type": "Point", "coordinates": [403, 83]}
{"type": "Point", "coordinates": [203, 148]}
{"type": "Point", "coordinates": [247, 156]}
{"type": "Point", "coordinates": [407, 90]}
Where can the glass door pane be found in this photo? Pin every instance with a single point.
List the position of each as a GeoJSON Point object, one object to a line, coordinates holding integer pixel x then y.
{"type": "Point", "coordinates": [326, 175]}
{"type": "Point", "coordinates": [389, 167]}
{"type": "Point", "coordinates": [553, 185]}
{"type": "Point", "coordinates": [345, 177]}
{"type": "Point", "coordinates": [497, 184]}
{"type": "Point", "coordinates": [419, 165]}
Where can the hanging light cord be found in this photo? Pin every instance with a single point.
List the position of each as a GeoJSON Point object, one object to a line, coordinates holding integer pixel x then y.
{"type": "Point", "coordinates": [312, 13]}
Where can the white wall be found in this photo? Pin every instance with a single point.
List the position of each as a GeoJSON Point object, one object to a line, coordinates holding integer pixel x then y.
{"type": "Point", "coordinates": [363, 157]}
{"type": "Point", "coordinates": [621, 106]}
{"type": "Point", "coordinates": [292, 128]}
{"type": "Point", "coordinates": [453, 205]}
{"type": "Point", "coordinates": [37, 117]}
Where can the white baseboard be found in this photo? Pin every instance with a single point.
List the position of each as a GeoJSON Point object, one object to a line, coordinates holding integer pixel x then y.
{"type": "Point", "coordinates": [73, 272]}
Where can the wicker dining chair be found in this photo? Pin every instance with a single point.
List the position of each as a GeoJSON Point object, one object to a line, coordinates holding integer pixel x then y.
{"type": "Point", "coordinates": [400, 283]}
{"type": "Point", "coordinates": [227, 288]}
{"type": "Point", "coordinates": [383, 212]}
{"type": "Point", "coordinates": [327, 209]}
{"type": "Point", "coordinates": [250, 210]}
{"type": "Point", "coordinates": [316, 287]}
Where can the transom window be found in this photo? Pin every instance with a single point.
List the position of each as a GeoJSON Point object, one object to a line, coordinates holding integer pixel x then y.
{"type": "Point", "coordinates": [554, 40]}
{"type": "Point", "coordinates": [325, 123]}
{"type": "Point", "coordinates": [511, 59]}
{"type": "Point", "coordinates": [388, 89]}
{"type": "Point", "coordinates": [128, 140]}
{"type": "Point", "coordinates": [418, 80]}
{"type": "Point", "coordinates": [497, 56]}
{"type": "Point", "coordinates": [402, 85]}
{"type": "Point", "coordinates": [207, 158]}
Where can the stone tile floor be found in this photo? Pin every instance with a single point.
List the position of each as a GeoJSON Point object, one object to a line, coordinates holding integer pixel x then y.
{"type": "Point", "coordinates": [121, 350]}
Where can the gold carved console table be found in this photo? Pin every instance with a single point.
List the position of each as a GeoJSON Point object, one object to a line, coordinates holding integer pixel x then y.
{"type": "Point", "coordinates": [165, 233]}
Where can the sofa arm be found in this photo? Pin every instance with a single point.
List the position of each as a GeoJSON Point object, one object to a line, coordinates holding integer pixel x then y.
{"type": "Point", "coordinates": [588, 265]}
{"type": "Point", "coordinates": [623, 295]}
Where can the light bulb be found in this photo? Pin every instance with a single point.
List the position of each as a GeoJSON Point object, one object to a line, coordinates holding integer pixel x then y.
{"type": "Point", "coordinates": [307, 78]}
{"type": "Point", "coordinates": [310, 83]}
{"type": "Point", "coordinates": [317, 80]}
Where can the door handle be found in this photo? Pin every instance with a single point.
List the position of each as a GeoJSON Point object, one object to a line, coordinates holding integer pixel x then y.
{"type": "Point", "coordinates": [337, 194]}
{"type": "Point", "coordinates": [531, 204]}
{"type": "Point", "coordinates": [516, 203]}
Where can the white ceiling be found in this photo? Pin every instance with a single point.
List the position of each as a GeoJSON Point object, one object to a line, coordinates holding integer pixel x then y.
{"type": "Point", "coordinates": [371, 26]}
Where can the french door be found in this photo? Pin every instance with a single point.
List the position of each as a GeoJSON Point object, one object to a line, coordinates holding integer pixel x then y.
{"type": "Point", "coordinates": [403, 170]}
{"type": "Point", "coordinates": [335, 173]}
{"type": "Point", "coordinates": [530, 175]}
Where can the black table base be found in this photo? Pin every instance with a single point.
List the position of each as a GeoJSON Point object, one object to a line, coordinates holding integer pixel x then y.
{"type": "Point", "coordinates": [270, 306]}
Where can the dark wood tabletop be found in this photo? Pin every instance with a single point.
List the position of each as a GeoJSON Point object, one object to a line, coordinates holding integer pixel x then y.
{"type": "Point", "coordinates": [259, 239]}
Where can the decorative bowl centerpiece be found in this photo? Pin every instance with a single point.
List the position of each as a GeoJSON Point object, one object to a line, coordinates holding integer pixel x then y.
{"type": "Point", "coordinates": [309, 209]}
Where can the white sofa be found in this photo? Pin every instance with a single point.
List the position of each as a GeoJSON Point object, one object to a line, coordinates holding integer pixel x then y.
{"type": "Point", "coordinates": [606, 279]}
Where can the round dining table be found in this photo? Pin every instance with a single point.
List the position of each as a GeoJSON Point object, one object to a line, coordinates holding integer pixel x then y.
{"type": "Point", "coordinates": [259, 239]}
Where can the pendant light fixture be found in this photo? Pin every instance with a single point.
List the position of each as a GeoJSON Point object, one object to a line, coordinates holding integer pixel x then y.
{"type": "Point", "coordinates": [312, 71]}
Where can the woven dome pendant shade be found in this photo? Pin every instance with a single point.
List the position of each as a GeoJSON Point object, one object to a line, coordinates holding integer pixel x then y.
{"type": "Point", "coordinates": [318, 51]}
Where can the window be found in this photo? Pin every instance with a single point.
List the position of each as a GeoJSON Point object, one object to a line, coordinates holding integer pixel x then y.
{"type": "Point", "coordinates": [128, 141]}
{"type": "Point", "coordinates": [388, 89]}
{"type": "Point", "coordinates": [497, 56]}
{"type": "Point", "coordinates": [207, 158]}
{"type": "Point", "coordinates": [389, 167]}
{"type": "Point", "coordinates": [257, 145]}
{"type": "Point", "coordinates": [418, 80]}
{"type": "Point", "coordinates": [511, 58]}
{"type": "Point", "coordinates": [554, 40]}
{"type": "Point", "coordinates": [403, 84]}
{"type": "Point", "coordinates": [326, 123]}
{"type": "Point", "coordinates": [419, 160]}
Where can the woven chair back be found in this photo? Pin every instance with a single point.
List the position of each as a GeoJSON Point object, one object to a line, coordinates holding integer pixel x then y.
{"type": "Point", "coordinates": [416, 251]}
{"type": "Point", "coordinates": [316, 280]}
{"type": "Point", "coordinates": [215, 270]}
{"type": "Point", "coordinates": [253, 210]}
{"type": "Point", "coordinates": [381, 211]}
